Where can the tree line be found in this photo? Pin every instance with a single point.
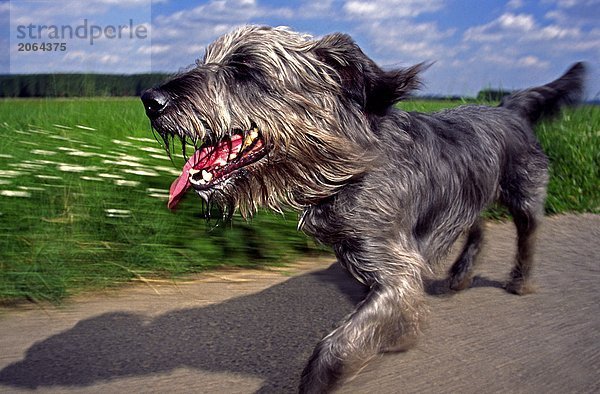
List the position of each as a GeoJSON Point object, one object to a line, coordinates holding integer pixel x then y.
{"type": "Point", "coordinates": [92, 85]}
{"type": "Point", "coordinates": [76, 85]}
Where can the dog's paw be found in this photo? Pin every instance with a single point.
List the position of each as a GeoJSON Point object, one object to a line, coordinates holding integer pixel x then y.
{"type": "Point", "coordinates": [519, 287]}
{"type": "Point", "coordinates": [459, 283]}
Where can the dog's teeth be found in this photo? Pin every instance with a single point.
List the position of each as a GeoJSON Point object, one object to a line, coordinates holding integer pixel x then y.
{"type": "Point", "coordinates": [250, 138]}
{"type": "Point", "coordinates": [207, 176]}
{"type": "Point", "coordinates": [198, 182]}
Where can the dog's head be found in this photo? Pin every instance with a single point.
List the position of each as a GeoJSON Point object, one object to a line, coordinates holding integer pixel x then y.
{"type": "Point", "coordinates": [275, 117]}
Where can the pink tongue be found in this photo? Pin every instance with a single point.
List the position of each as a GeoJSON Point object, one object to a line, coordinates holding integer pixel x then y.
{"type": "Point", "coordinates": [201, 159]}
{"type": "Point", "coordinates": [182, 183]}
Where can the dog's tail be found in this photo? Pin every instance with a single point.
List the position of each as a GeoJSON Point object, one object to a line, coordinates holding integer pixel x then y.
{"type": "Point", "coordinates": [547, 100]}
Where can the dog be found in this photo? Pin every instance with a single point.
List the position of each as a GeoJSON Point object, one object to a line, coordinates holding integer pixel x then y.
{"type": "Point", "coordinates": [283, 120]}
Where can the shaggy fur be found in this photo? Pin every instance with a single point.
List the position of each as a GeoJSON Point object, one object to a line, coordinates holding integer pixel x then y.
{"type": "Point", "coordinates": [390, 191]}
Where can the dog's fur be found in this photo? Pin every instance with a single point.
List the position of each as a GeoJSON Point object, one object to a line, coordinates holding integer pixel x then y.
{"type": "Point", "coordinates": [389, 190]}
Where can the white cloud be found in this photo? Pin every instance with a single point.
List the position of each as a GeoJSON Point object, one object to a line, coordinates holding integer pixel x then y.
{"type": "Point", "coordinates": [532, 61]}
{"type": "Point", "coordinates": [363, 8]}
{"type": "Point", "coordinates": [387, 25]}
{"type": "Point", "coordinates": [155, 49]}
{"type": "Point", "coordinates": [403, 41]}
{"type": "Point", "coordinates": [507, 62]}
{"type": "Point", "coordinates": [526, 49]}
{"type": "Point", "coordinates": [109, 59]}
{"type": "Point", "coordinates": [521, 23]}
{"type": "Point", "coordinates": [553, 32]}
{"type": "Point", "coordinates": [120, 3]}
{"type": "Point", "coordinates": [224, 11]}
{"type": "Point", "coordinates": [48, 12]}
{"type": "Point", "coordinates": [316, 9]}
{"type": "Point", "coordinates": [383, 9]}
{"type": "Point", "coordinates": [498, 30]}
{"type": "Point", "coordinates": [577, 13]}
{"type": "Point", "coordinates": [514, 4]}
{"type": "Point", "coordinates": [186, 33]}
{"type": "Point", "coordinates": [86, 58]}
{"type": "Point", "coordinates": [523, 30]}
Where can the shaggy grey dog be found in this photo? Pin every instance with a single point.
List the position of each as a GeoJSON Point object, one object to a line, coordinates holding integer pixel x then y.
{"type": "Point", "coordinates": [279, 119]}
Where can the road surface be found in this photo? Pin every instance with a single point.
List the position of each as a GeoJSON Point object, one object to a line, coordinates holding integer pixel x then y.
{"type": "Point", "coordinates": [251, 331]}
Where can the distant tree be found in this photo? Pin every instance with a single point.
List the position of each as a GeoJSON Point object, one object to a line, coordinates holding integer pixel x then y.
{"type": "Point", "coordinates": [489, 94]}
{"type": "Point", "coordinates": [76, 85]}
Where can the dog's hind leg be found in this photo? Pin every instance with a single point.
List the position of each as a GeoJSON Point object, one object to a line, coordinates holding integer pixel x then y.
{"type": "Point", "coordinates": [526, 205]}
{"type": "Point", "coordinates": [526, 223]}
{"type": "Point", "coordinates": [461, 272]}
{"type": "Point", "coordinates": [386, 320]}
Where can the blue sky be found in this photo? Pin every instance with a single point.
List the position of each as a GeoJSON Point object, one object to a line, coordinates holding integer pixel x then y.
{"type": "Point", "coordinates": [474, 44]}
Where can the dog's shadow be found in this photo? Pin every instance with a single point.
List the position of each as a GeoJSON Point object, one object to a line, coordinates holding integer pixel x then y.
{"type": "Point", "coordinates": [441, 287]}
{"type": "Point", "coordinates": [269, 335]}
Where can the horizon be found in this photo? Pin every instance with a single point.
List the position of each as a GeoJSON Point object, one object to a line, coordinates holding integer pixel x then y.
{"type": "Point", "coordinates": [497, 44]}
{"type": "Point", "coordinates": [417, 94]}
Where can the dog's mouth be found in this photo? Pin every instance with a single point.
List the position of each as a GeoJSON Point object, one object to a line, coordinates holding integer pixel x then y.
{"type": "Point", "coordinates": [212, 166]}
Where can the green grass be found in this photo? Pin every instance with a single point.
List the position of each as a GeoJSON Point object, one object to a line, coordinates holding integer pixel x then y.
{"type": "Point", "coordinates": [86, 209]}
{"type": "Point", "coordinates": [573, 145]}
{"type": "Point", "coordinates": [83, 189]}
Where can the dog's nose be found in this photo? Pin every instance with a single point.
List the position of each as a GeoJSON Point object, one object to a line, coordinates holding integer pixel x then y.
{"type": "Point", "coordinates": [155, 101]}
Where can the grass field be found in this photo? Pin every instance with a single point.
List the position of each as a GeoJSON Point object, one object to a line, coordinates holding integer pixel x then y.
{"type": "Point", "coordinates": [83, 188]}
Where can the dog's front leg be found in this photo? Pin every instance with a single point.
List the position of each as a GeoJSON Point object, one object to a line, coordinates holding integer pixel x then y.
{"type": "Point", "coordinates": [387, 320]}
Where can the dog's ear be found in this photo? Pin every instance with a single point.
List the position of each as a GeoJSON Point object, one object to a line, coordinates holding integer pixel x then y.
{"type": "Point", "coordinates": [363, 81]}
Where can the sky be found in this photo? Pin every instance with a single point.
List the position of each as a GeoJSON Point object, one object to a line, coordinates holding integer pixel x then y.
{"type": "Point", "coordinates": [473, 44]}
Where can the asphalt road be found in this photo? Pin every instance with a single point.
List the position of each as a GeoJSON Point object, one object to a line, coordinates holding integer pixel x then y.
{"type": "Point", "coordinates": [249, 331]}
